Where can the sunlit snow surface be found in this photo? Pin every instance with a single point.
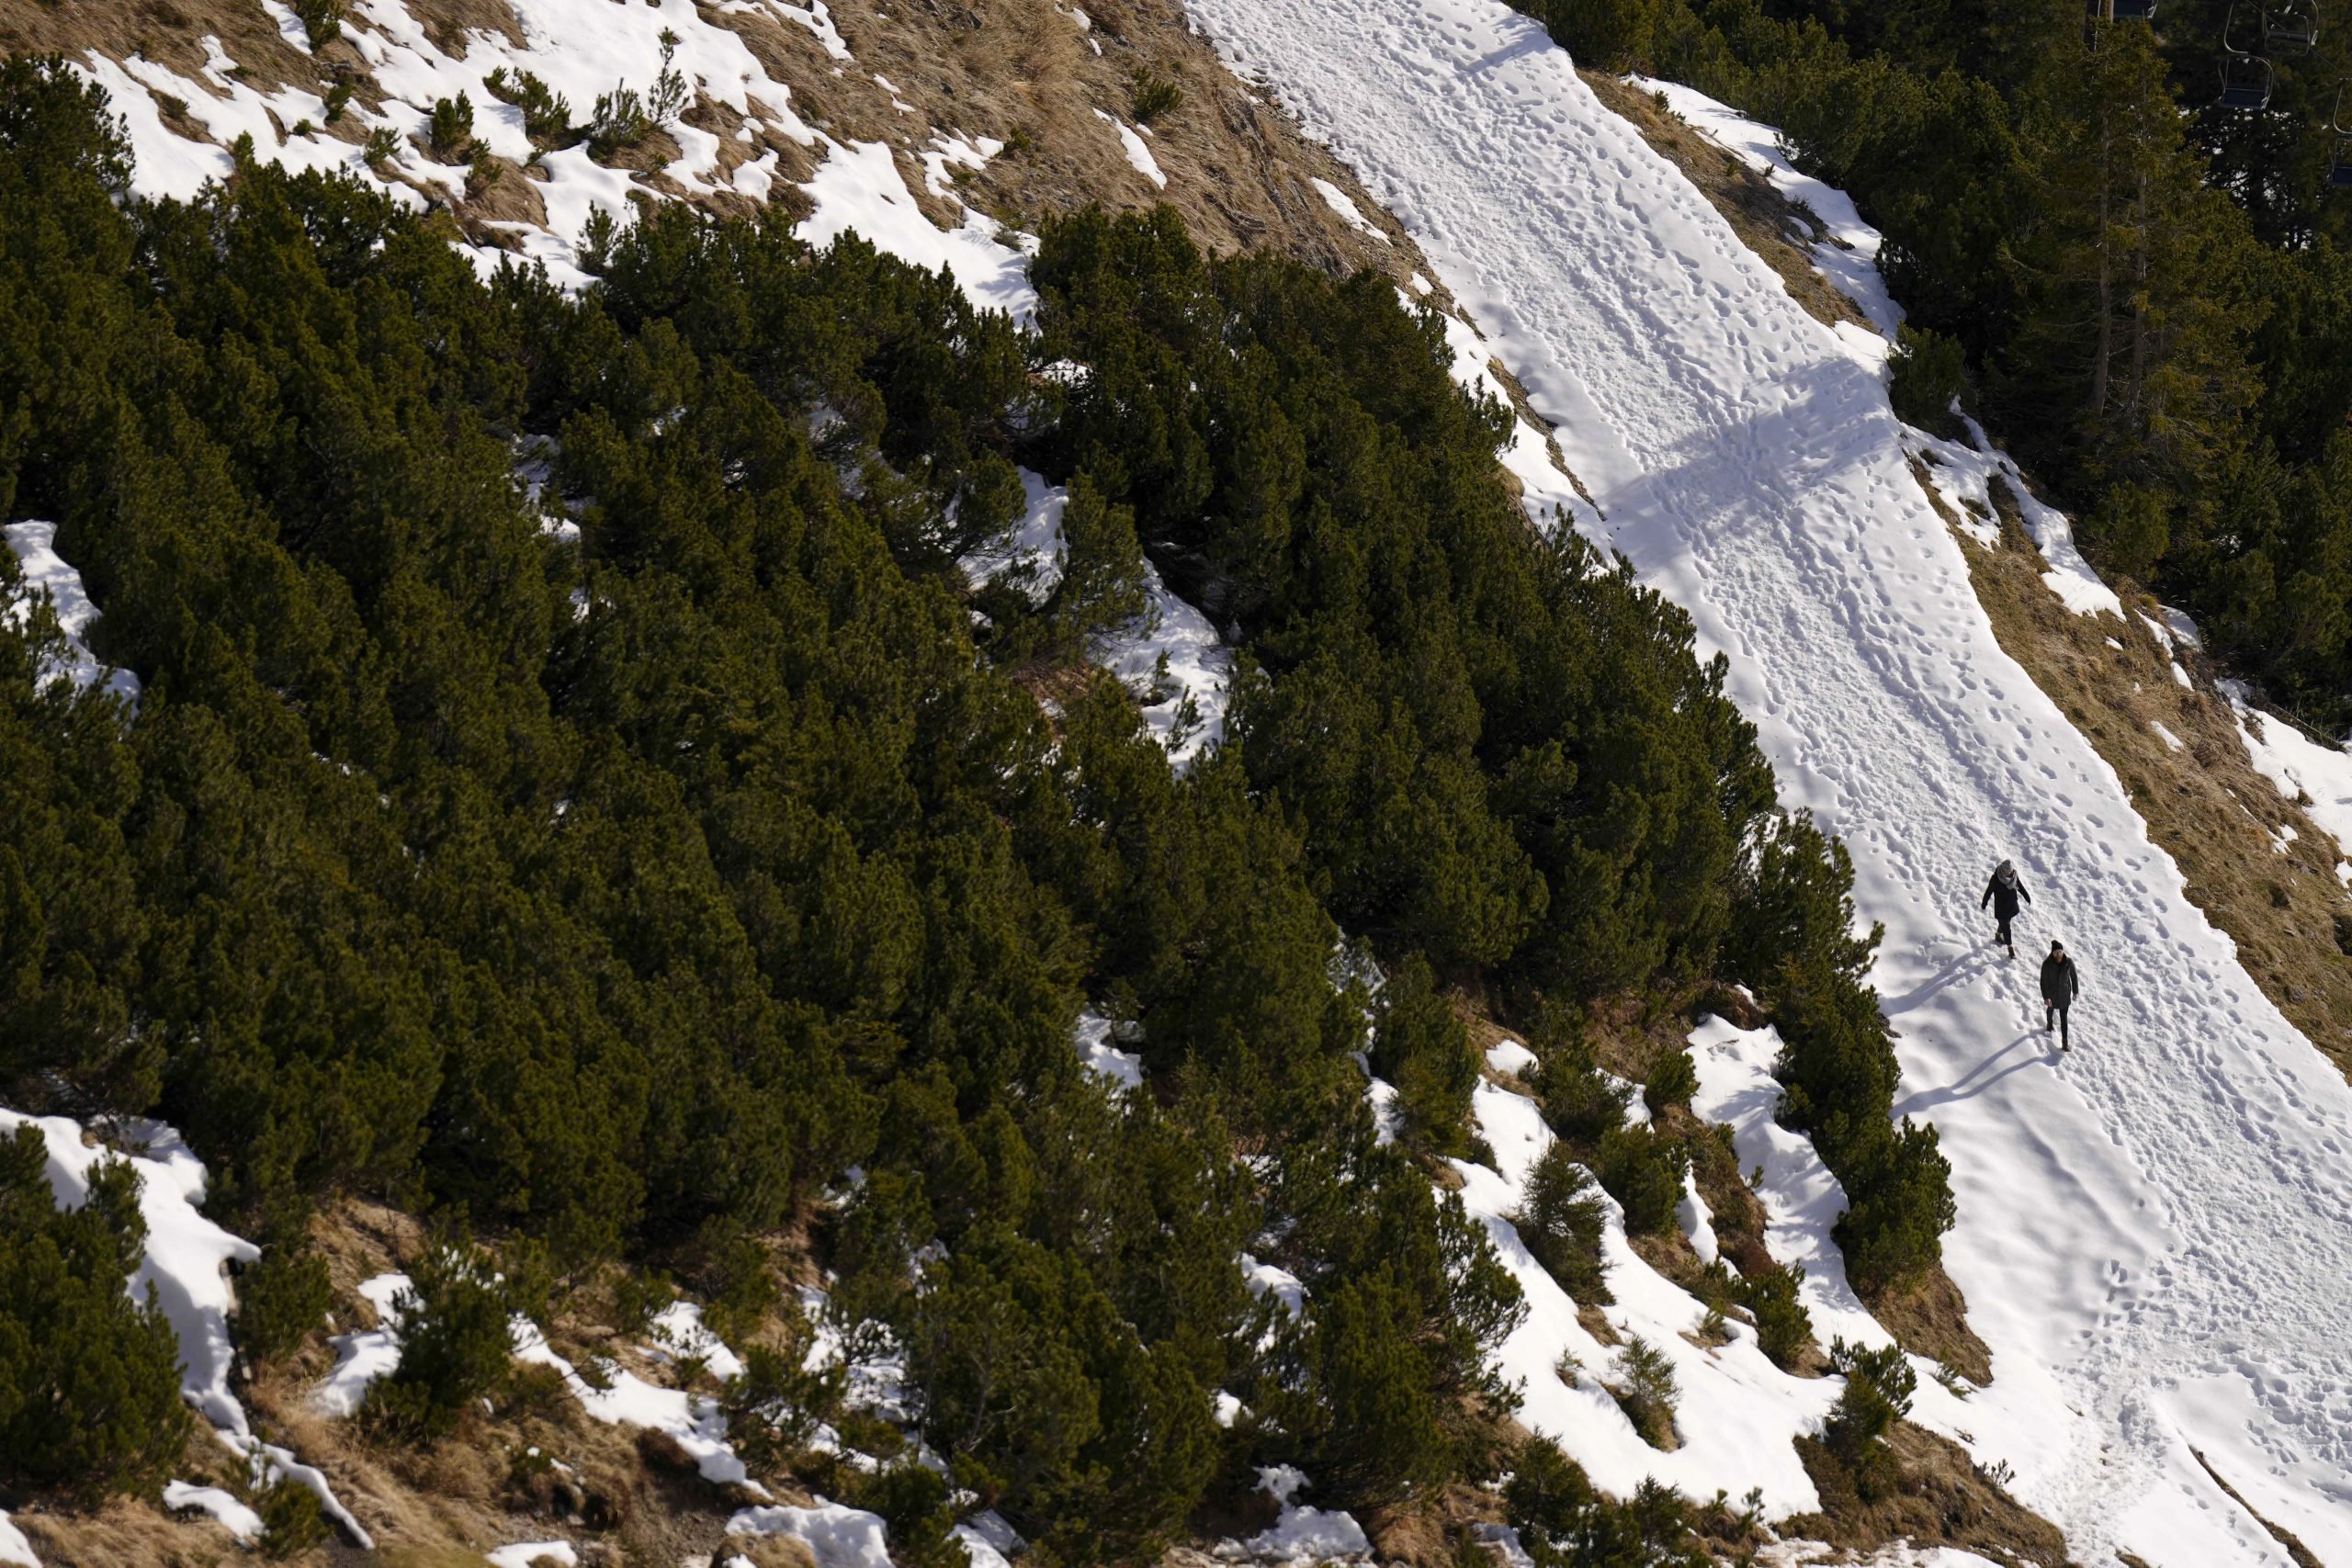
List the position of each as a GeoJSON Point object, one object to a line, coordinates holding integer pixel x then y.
{"type": "Point", "coordinates": [2153, 1231]}
{"type": "Point", "coordinates": [46, 572]}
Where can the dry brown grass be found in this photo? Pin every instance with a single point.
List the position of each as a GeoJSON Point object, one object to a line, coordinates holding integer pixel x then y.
{"type": "Point", "coordinates": [1943, 1501]}
{"type": "Point", "coordinates": [1758, 213]}
{"type": "Point", "coordinates": [2294, 1547]}
{"type": "Point", "coordinates": [2204, 805]}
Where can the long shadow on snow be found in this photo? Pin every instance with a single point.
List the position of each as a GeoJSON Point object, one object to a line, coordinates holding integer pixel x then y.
{"type": "Point", "coordinates": [1971, 1086]}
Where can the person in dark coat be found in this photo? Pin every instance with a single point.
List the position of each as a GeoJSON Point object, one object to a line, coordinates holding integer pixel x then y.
{"type": "Point", "coordinates": [2003, 893]}
{"type": "Point", "coordinates": [2060, 986]}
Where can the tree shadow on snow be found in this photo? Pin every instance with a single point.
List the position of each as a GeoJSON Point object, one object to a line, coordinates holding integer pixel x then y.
{"type": "Point", "coordinates": [1977, 1081]}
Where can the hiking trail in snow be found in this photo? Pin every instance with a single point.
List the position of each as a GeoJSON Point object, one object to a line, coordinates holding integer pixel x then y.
{"type": "Point", "coordinates": [2155, 1232]}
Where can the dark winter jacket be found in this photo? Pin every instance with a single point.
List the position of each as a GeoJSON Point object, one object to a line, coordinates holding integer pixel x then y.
{"type": "Point", "coordinates": [2003, 896]}
{"type": "Point", "coordinates": [2059, 984]}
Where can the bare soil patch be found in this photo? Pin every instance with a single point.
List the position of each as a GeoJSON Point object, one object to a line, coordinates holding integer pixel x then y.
{"type": "Point", "coordinates": [1944, 1500]}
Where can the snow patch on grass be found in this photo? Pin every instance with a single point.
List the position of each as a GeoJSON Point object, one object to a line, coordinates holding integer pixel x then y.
{"type": "Point", "coordinates": [240, 1520]}
{"type": "Point", "coordinates": [2304, 770]}
{"type": "Point", "coordinates": [364, 1355]}
{"type": "Point", "coordinates": [1138, 150]}
{"type": "Point", "coordinates": [836, 1536]}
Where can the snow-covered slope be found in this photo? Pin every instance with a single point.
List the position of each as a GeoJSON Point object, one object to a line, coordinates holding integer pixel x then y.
{"type": "Point", "coordinates": [2153, 1230]}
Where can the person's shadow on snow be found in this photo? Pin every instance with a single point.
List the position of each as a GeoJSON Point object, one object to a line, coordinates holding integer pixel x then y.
{"type": "Point", "coordinates": [1977, 1081]}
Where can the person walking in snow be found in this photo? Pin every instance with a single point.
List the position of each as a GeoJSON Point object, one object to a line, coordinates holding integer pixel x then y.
{"type": "Point", "coordinates": [2060, 986]}
{"type": "Point", "coordinates": [2003, 893]}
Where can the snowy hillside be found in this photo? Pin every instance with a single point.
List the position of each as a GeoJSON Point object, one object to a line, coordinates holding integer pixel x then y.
{"type": "Point", "coordinates": [2152, 1233]}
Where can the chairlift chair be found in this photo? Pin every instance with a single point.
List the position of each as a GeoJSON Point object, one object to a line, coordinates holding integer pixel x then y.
{"type": "Point", "coordinates": [2247, 78]}
{"type": "Point", "coordinates": [2132, 10]}
{"type": "Point", "coordinates": [2339, 167]}
{"type": "Point", "coordinates": [2291, 24]}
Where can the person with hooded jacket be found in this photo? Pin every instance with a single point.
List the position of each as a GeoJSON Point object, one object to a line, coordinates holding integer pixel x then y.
{"type": "Point", "coordinates": [2003, 893]}
{"type": "Point", "coordinates": [2060, 986]}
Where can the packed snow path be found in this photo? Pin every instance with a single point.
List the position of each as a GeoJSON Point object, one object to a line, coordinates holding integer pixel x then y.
{"type": "Point", "coordinates": [2155, 1232]}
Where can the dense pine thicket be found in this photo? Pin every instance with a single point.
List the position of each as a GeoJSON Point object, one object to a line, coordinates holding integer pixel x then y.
{"type": "Point", "coordinates": [2154, 292]}
{"type": "Point", "coordinates": [636, 886]}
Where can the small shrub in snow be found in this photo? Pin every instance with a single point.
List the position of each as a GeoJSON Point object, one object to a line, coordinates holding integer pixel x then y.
{"type": "Point", "coordinates": [90, 1378]}
{"type": "Point", "coordinates": [1562, 1223]}
{"type": "Point", "coordinates": [546, 114]}
{"type": "Point", "coordinates": [671, 95]}
{"type": "Point", "coordinates": [1421, 1047]}
{"type": "Point", "coordinates": [1563, 1522]}
{"type": "Point", "coordinates": [913, 1501]}
{"type": "Point", "coordinates": [455, 1343]}
{"type": "Point", "coordinates": [1579, 1100]}
{"type": "Point", "coordinates": [280, 1300]}
{"type": "Point", "coordinates": [322, 19]}
{"type": "Point", "coordinates": [1673, 1079]}
{"type": "Point", "coordinates": [291, 1523]}
{"type": "Point", "coordinates": [1783, 1328]}
{"type": "Point", "coordinates": [1154, 95]}
{"type": "Point", "coordinates": [450, 131]}
{"type": "Point", "coordinates": [1926, 375]}
{"type": "Point", "coordinates": [775, 1405]}
{"type": "Point", "coordinates": [1646, 1390]}
{"type": "Point", "coordinates": [1644, 1172]}
{"type": "Point", "coordinates": [620, 121]}
{"type": "Point", "coordinates": [1879, 1386]}
{"type": "Point", "coordinates": [337, 99]}
{"type": "Point", "coordinates": [383, 145]}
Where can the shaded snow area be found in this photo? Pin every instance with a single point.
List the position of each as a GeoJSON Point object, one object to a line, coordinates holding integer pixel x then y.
{"type": "Point", "coordinates": [2152, 1230]}
{"type": "Point", "coordinates": [47, 573]}
{"type": "Point", "coordinates": [186, 1267]}
{"type": "Point", "coordinates": [1300, 1533]}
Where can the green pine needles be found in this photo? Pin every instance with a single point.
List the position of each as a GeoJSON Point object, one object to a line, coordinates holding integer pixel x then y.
{"type": "Point", "coordinates": [623, 893]}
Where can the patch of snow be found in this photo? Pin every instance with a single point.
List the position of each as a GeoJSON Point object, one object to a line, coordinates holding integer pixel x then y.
{"type": "Point", "coordinates": [858, 187]}
{"type": "Point", "coordinates": [1349, 213]}
{"type": "Point", "coordinates": [2298, 765]}
{"type": "Point", "coordinates": [1033, 545]}
{"type": "Point", "coordinates": [835, 1535]}
{"type": "Point", "coordinates": [47, 573]}
{"type": "Point", "coordinates": [948, 152]}
{"type": "Point", "coordinates": [2171, 740]}
{"type": "Point", "coordinates": [1138, 153]}
{"type": "Point", "coordinates": [1698, 1223]}
{"type": "Point", "coordinates": [1269, 1279]}
{"type": "Point", "coordinates": [524, 1554]}
{"type": "Point", "coordinates": [1200, 669]}
{"type": "Point", "coordinates": [1299, 1534]}
{"type": "Point", "coordinates": [365, 1355]}
{"type": "Point", "coordinates": [1510, 1057]}
{"type": "Point", "coordinates": [15, 1551]}
{"type": "Point", "coordinates": [679, 1333]}
{"type": "Point", "coordinates": [1229, 1409]}
{"type": "Point", "coordinates": [241, 1520]}
{"type": "Point", "coordinates": [697, 1423]}
{"type": "Point", "coordinates": [1122, 1069]}
{"type": "Point", "coordinates": [186, 1258]}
